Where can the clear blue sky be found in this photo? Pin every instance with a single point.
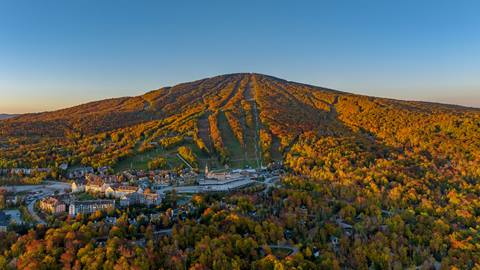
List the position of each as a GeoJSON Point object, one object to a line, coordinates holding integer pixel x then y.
{"type": "Point", "coordinates": [55, 54]}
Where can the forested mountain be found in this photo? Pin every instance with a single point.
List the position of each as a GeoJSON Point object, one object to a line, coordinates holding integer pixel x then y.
{"type": "Point", "coordinates": [239, 118]}
{"type": "Point", "coordinates": [405, 176]}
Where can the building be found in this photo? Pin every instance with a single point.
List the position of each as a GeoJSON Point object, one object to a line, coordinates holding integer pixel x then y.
{"type": "Point", "coordinates": [131, 199]}
{"type": "Point", "coordinates": [151, 198]}
{"type": "Point", "coordinates": [63, 166]}
{"type": "Point", "coordinates": [125, 190]}
{"type": "Point", "coordinates": [4, 221]}
{"type": "Point", "coordinates": [80, 172]}
{"type": "Point", "coordinates": [95, 184]}
{"type": "Point", "coordinates": [88, 207]}
{"type": "Point", "coordinates": [78, 185]}
{"type": "Point", "coordinates": [52, 205]}
{"type": "Point", "coordinates": [221, 176]}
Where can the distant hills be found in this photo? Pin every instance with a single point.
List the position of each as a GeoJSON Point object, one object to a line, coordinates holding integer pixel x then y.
{"type": "Point", "coordinates": [6, 116]}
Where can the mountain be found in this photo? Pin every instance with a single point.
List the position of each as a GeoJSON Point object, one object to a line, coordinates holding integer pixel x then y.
{"type": "Point", "coordinates": [366, 182]}
{"type": "Point", "coordinates": [241, 119]}
{"type": "Point", "coordinates": [6, 116]}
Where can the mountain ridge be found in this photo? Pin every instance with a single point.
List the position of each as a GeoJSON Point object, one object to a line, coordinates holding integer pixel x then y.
{"type": "Point", "coordinates": [134, 99]}
{"type": "Point", "coordinates": [241, 119]}
{"type": "Point", "coordinates": [6, 116]}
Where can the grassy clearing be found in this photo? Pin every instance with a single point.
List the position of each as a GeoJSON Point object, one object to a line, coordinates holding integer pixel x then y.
{"type": "Point", "coordinates": [140, 160]}
{"type": "Point", "coordinates": [237, 152]}
{"type": "Point", "coordinates": [274, 151]}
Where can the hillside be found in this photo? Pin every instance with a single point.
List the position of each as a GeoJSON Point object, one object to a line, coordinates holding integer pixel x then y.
{"type": "Point", "coordinates": [370, 183]}
{"type": "Point", "coordinates": [238, 119]}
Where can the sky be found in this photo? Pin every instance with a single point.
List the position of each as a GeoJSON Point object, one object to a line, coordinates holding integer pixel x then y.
{"type": "Point", "coordinates": [55, 54]}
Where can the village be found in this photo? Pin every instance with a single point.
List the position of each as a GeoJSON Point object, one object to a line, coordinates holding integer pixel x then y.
{"type": "Point", "coordinates": [89, 190]}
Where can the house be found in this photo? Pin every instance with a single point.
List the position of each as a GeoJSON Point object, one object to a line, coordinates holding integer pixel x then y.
{"type": "Point", "coordinates": [91, 206]}
{"type": "Point", "coordinates": [4, 221]}
{"type": "Point", "coordinates": [52, 205]}
{"type": "Point", "coordinates": [78, 185]}
{"type": "Point", "coordinates": [63, 166]}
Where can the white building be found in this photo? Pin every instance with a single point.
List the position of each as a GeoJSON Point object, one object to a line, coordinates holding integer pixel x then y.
{"type": "Point", "coordinates": [88, 207]}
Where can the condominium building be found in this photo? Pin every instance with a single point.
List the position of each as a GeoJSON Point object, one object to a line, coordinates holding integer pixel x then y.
{"type": "Point", "coordinates": [91, 206]}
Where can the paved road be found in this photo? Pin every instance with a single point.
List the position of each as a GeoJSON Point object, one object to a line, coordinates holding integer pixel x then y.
{"type": "Point", "coordinates": [52, 185]}
{"type": "Point", "coordinates": [269, 182]}
{"type": "Point", "coordinates": [48, 188]}
{"type": "Point", "coordinates": [32, 210]}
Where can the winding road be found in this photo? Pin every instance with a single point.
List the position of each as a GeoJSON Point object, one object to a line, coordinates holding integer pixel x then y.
{"type": "Point", "coordinates": [47, 189]}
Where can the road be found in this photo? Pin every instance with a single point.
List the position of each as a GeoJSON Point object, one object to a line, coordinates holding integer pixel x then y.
{"type": "Point", "coordinates": [47, 189]}
{"type": "Point", "coordinates": [32, 210]}
{"type": "Point", "coordinates": [269, 182]}
{"type": "Point", "coordinates": [52, 185]}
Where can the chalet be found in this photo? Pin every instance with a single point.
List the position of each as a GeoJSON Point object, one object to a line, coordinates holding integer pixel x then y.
{"type": "Point", "coordinates": [88, 207]}
{"type": "Point", "coordinates": [52, 205]}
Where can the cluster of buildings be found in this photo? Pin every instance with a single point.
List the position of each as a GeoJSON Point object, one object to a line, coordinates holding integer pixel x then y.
{"type": "Point", "coordinates": [8, 199]}
{"type": "Point", "coordinates": [24, 171]}
{"type": "Point", "coordinates": [4, 221]}
{"type": "Point", "coordinates": [68, 203]}
{"type": "Point", "coordinates": [53, 205]}
{"type": "Point", "coordinates": [9, 217]}
{"type": "Point", "coordinates": [138, 187]}
{"type": "Point", "coordinates": [127, 194]}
